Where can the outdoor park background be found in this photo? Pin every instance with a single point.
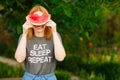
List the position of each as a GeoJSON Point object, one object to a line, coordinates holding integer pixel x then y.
{"type": "Point", "coordinates": [90, 31]}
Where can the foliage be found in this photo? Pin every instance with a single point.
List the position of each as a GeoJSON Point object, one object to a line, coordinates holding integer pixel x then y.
{"type": "Point", "coordinates": [64, 75]}
{"type": "Point", "coordinates": [7, 71]}
{"type": "Point", "coordinates": [104, 67]}
{"type": "Point", "coordinates": [85, 76]}
{"type": "Point", "coordinates": [85, 24]}
{"type": "Point", "coordinates": [110, 70]}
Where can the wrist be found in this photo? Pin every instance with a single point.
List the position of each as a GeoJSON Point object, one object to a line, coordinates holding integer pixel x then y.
{"type": "Point", "coordinates": [24, 34]}
{"type": "Point", "coordinates": [54, 32]}
{"type": "Point", "coordinates": [25, 31]}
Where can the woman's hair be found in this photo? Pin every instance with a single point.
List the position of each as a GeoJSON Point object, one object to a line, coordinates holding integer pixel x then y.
{"type": "Point", "coordinates": [47, 32]}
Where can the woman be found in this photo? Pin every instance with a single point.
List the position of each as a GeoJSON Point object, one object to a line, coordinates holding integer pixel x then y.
{"type": "Point", "coordinates": [39, 46]}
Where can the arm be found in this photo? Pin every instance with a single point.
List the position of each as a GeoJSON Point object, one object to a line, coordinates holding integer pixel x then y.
{"type": "Point", "coordinates": [58, 47]}
{"type": "Point", "coordinates": [20, 53]}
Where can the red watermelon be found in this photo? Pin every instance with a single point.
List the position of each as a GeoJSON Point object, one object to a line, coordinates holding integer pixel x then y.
{"type": "Point", "coordinates": [37, 19]}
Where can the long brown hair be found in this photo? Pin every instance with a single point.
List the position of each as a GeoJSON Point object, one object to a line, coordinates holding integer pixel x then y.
{"type": "Point", "coordinates": [47, 32]}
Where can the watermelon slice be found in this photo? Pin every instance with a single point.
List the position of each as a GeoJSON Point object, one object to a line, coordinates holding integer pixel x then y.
{"type": "Point", "coordinates": [37, 19]}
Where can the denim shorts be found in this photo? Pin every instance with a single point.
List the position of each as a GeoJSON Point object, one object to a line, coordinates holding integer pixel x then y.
{"type": "Point", "coordinates": [29, 76]}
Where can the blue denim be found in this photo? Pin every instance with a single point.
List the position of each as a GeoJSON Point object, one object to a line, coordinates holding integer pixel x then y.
{"type": "Point", "coordinates": [29, 76]}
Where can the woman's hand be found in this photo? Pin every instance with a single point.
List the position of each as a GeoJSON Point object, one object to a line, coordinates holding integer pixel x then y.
{"type": "Point", "coordinates": [26, 26]}
{"type": "Point", "coordinates": [52, 24]}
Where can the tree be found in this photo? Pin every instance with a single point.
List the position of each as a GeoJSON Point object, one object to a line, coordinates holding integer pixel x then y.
{"type": "Point", "coordinates": [80, 22]}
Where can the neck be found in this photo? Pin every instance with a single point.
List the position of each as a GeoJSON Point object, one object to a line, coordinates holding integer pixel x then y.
{"type": "Point", "coordinates": [39, 34]}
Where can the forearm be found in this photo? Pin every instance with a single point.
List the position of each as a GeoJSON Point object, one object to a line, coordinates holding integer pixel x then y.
{"type": "Point", "coordinates": [58, 48]}
{"type": "Point", "coordinates": [20, 53]}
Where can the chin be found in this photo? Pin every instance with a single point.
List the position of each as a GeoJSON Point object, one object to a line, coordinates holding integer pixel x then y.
{"type": "Point", "coordinates": [39, 31]}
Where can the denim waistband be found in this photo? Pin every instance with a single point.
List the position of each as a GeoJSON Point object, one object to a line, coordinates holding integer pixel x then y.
{"type": "Point", "coordinates": [39, 75]}
{"type": "Point", "coordinates": [29, 76]}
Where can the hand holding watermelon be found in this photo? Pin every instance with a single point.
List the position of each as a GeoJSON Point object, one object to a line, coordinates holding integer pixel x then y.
{"type": "Point", "coordinates": [52, 24]}
{"type": "Point", "coordinates": [38, 19]}
{"type": "Point", "coordinates": [26, 26]}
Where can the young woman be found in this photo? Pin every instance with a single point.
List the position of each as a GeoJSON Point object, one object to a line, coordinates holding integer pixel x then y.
{"type": "Point", "coordinates": [39, 46]}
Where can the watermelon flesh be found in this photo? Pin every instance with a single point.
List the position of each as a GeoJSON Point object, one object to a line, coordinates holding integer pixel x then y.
{"type": "Point", "coordinates": [37, 19]}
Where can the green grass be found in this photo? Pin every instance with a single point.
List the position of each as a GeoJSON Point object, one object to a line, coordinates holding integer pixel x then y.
{"type": "Point", "coordinates": [7, 71]}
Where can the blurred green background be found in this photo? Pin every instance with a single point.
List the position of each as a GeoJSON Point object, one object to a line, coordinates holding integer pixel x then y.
{"type": "Point", "coordinates": [90, 31]}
